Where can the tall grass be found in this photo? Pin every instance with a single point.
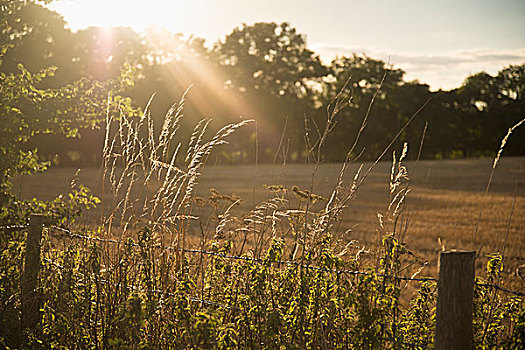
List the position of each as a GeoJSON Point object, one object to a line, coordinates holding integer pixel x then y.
{"type": "Point", "coordinates": [150, 184]}
{"type": "Point", "coordinates": [169, 269]}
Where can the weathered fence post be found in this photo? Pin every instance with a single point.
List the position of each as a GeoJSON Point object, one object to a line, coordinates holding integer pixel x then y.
{"type": "Point", "coordinates": [30, 299]}
{"type": "Point", "coordinates": [455, 300]}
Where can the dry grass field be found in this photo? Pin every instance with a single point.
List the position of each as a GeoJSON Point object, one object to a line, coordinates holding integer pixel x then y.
{"type": "Point", "coordinates": [443, 206]}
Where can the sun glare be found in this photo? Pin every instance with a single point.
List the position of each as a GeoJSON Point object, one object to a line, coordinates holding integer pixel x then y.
{"type": "Point", "coordinates": [135, 14]}
{"type": "Point", "coordinates": [176, 16]}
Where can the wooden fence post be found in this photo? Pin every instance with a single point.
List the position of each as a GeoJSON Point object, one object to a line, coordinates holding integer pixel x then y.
{"type": "Point", "coordinates": [30, 298]}
{"type": "Point", "coordinates": [455, 300]}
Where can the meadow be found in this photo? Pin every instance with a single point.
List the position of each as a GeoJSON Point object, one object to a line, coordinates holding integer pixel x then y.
{"type": "Point", "coordinates": [199, 255]}
{"type": "Point", "coordinates": [193, 254]}
{"type": "Point", "coordinates": [442, 209]}
{"type": "Point", "coordinates": [166, 247]}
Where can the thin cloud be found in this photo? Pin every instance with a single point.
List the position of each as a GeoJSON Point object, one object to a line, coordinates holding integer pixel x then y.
{"type": "Point", "coordinates": [443, 70]}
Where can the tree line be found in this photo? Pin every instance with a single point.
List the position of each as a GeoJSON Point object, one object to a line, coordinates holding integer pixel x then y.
{"type": "Point", "coordinates": [262, 71]}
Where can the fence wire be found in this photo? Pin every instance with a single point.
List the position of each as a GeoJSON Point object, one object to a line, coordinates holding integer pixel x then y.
{"type": "Point", "coordinates": [283, 262]}
{"type": "Point", "coordinates": [14, 227]}
{"type": "Point", "coordinates": [256, 260]}
{"type": "Point", "coordinates": [505, 290]}
{"type": "Point", "coordinates": [245, 258]}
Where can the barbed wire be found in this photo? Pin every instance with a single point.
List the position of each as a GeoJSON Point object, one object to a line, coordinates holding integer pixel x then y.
{"type": "Point", "coordinates": [77, 235]}
{"type": "Point", "coordinates": [216, 304]}
{"type": "Point", "coordinates": [508, 291]}
{"type": "Point", "coordinates": [108, 240]}
{"type": "Point", "coordinates": [284, 262]}
{"type": "Point", "coordinates": [247, 258]}
{"type": "Point", "coordinates": [14, 227]}
{"type": "Point", "coordinates": [203, 301]}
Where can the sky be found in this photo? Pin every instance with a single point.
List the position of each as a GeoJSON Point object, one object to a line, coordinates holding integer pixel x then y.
{"type": "Point", "coordinates": [437, 42]}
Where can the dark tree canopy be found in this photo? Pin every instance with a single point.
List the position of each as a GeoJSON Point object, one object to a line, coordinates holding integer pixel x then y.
{"type": "Point", "coordinates": [269, 57]}
{"type": "Point", "coordinates": [41, 93]}
{"type": "Point", "coordinates": [263, 71]}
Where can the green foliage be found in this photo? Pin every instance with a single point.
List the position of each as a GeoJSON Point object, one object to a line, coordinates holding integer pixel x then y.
{"type": "Point", "coordinates": [64, 291]}
{"type": "Point", "coordinates": [498, 321]}
{"type": "Point", "coordinates": [144, 295]}
{"type": "Point", "coordinates": [269, 57]}
{"type": "Point", "coordinates": [141, 294]}
{"type": "Point", "coordinates": [419, 323]}
{"type": "Point", "coordinates": [27, 111]}
{"type": "Point", "coordinates": [29, 106]}
{"type": "Point", "coordinates": [11, 260]}
{"type": "Point", "coordinates": [136, 303]}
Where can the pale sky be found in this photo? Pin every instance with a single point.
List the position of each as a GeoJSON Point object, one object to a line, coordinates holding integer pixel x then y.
{"type": "Point", "coordinates": [437, 42]}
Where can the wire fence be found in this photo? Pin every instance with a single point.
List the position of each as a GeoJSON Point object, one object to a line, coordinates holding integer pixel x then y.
{"type": "Point", "coordinates": [245, 258]}
{"type": "Point", "coordinates": [60, 232]}
{"type": "Point", "coordinates": [505, 290]}
{"type": "Point", "coordinates": [14, 227]}
{"type": "Point", "coordinates": [259, 260]}
{"type": "Point", "coordinates": [283, 262]}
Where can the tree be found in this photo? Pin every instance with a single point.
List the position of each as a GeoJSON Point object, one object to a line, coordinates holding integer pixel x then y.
{"type": "Point", "coordinates": [361, 80]}
{"type": "Point", "coordinates": [38, 39]}
{"type": "Point", "coordinates": [100, 53]}
{"type": "Point", "coordinates": [489, 105]}
{"type": "Point", "coordinates": [269, 57]}
{"type": "Point", "coordinates": [27, 106]}
{"type": "Point", "coordinates": [270, 67]}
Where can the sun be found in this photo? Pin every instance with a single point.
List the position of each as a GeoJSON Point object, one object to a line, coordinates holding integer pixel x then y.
{"type": "Point", "coordinates": [80, 14]}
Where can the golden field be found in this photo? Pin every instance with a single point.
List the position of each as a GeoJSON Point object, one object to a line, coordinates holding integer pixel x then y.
{"type": "Point", "coordinates": [442, 209]}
